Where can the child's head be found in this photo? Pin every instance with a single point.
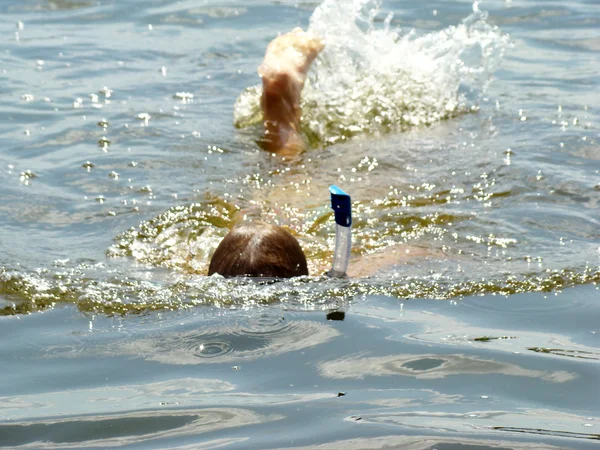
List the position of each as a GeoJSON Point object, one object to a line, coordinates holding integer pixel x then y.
{"type": "Point", "coordinates": [258, 250]}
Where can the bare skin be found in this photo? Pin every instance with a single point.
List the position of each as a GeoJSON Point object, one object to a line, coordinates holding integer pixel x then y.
{"type": "Point", "coordinates": [396, 255]}
{"type": "Point", "coordinates": [283, 73]}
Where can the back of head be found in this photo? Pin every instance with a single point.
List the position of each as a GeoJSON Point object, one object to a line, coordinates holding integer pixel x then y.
{"type": "Point", "coordinates": [258, 250]}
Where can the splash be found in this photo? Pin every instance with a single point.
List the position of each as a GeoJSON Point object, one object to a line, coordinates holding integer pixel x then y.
{"type": "Point", "coordinates": [182, 237]}
{"type": "Point", "coordinates": [102, 289]}
{"type": "Point", "coordinates": [374, 78]}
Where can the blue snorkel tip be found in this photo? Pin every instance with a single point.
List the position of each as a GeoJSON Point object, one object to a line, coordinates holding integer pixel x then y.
{"type": "Point", "coordinates": [341, 203]}
{"type": "Point", "coordinates": [342, 209]}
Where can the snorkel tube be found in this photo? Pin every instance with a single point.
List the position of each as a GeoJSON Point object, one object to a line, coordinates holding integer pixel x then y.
{"type": "Point", "coordinates": [342, 209]}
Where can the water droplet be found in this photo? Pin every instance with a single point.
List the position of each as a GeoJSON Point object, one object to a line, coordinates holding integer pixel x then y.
{"type": "Point", "coordinates": [185, 97]}
{"type": "Point", "coordinates": [104, 142]}
{"type": "Point", "coordinates": [145, 117]}
{"type": "Point", "coordinates": [106, 92]}
{"type": "Point", "coordinates": [26, 177]}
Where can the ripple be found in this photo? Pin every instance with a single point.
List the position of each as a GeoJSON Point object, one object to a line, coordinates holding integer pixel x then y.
{"type": "Point", "coordinates": [265, 324]}
{"type": "Point", "coordinates": [541, 420]}
{"type": "Point", "coordinates": [227, 343]}
{"type": "Point", "coordinates": [554, 433]}
{"type": "Point", "coordinates": [111, 430]}
{"type": "Point", "coordinates": [104, 289]}
{"type": "Point", "coordinates": [431, 367]}
{"type": "Point", "coordinates": [580, 354]}
{"type": "Point", "coordinates": [208, 349]}
{"type": "Point", "coordinates": [534, 306]}
{"type": "Point", "coordinates": [182, 237]}
{"type": "Point", "coordinates": [426, 442]}
{"type": "Point", "coordinates": [56, 5]}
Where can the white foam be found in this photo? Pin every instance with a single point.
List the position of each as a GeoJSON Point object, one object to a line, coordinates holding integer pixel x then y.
{"type": "Point", "coordinates": [373, 78]}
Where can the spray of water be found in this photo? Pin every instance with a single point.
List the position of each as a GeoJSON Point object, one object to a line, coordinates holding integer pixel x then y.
{"type": "Point", "coordinates": [373, 78]}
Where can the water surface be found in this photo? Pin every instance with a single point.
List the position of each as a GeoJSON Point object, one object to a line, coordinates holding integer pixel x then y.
{"type": "Point", "coordinates": [468, 138]}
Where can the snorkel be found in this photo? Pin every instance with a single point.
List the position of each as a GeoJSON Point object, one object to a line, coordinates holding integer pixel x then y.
{"type": "Point", "coordinates": [342, 209]}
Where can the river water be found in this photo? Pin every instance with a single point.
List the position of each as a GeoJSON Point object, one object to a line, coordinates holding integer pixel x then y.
{"type": "Point", "coordinates": [467, 135]}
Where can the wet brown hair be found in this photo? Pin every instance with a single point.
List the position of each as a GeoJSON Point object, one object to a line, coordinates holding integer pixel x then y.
{"type": "Point", "coordinates": [258, 250]}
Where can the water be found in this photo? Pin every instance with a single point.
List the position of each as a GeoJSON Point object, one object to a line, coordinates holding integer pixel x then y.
{"type": "Point", "coordinates": [468, 138]}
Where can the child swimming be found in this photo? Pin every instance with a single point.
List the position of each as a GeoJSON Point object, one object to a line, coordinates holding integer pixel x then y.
{"type": "Point", "coordinates": [259, 249]}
